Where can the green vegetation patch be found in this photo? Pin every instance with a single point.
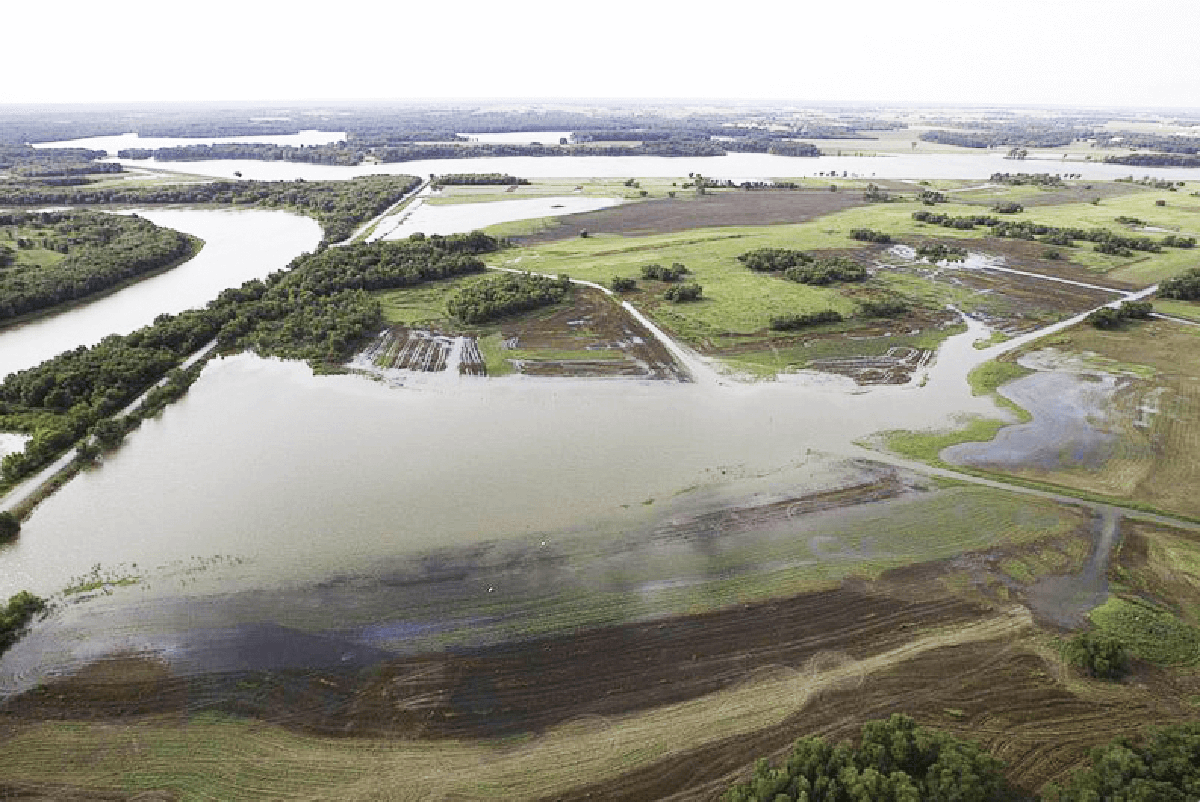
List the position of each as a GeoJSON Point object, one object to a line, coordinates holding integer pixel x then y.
{"type": "Point", "coordinates": [893, 760]}
{"type": "Point", "coordinates": [16, 615]}
{"type": "Point", "coordinates": [1149, 630]}
{"type": "Point", "coordinates": [984, 380]}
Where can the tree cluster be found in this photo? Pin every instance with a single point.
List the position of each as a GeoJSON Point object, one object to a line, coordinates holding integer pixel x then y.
{"type": "Point", "coordinates": [870, 235]}
{"type": "Point", "coordinates": [16, 615]}
{"type": "Point", "coordinates": [102, 250]}
{"type": "Point", "coordinates": [24, 160]}
{"type": "Point", "coordinates": [894, 761]}
{"type": "Point", "coordinates": [1163, 766]}
{"type": "Point", "coordinates": [940, 252]}
{"type": "Point", "coordinates": [497, 296]}
{"type": "Point", "coordinates": [1184, 287]}
{"type": "Point", "coordinates": [1098, 655]}
{"type": "Point", "coordinates": [1108, 317]}
{"type": "Point", "coordinates": [822, 272]}
{"type": "Point", "coordinates": [961, 222]}
{"type": "Point", "coordinates": [1025, 133]}
{"type": "Point", "coordinates": [774, 260]}
{"type": "Point", "coordinates": [1027, 179]}
{"type": "Point", "coordinates": [623, 284]}
{"type": "Point", "coordinates": [681, 293]}
{"type": "Point", "coordinates": [1008, 207]}
{"type": "Point", "coordinates": [657, 272]}
{"type": "Point", "coordinates": [802, 321]}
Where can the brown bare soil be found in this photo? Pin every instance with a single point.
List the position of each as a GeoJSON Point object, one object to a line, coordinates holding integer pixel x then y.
{"type": "Point", "coordinates": [1008, 692]}
{"type": "Point", "coordinates": [592, 322]}
{"type": "Point", "coordinates": [1007, 697]}
{"type": "Point", "coordinates": [54, 792]}
{"type": "Point", "coordinates": [729, 208]}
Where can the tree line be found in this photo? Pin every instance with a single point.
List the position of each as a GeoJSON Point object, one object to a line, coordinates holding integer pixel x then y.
{"type": "Point", "coordinates": [1027, 179]}
{"type": "Point", "coordinates": [339, 206]}
{"type": "Point", "coordinates": [102, 250]}
{"type": "Point", "coordinates": [896, 760]}
{"type": "Point", "coordinates": [478, 179]}
{"type": "Point", "coordinates": [1105, 241]}
{"type": "Point", "coordinates": [352, 153]}
{"type": "Point", "coordinates": [1156, 159]}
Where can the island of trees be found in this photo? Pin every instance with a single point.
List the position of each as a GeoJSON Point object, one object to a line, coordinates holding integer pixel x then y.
{"type": "Point", "coordinates": [78, 255]}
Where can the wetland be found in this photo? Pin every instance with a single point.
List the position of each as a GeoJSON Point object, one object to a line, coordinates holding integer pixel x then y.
{"type": "Point", "coordinates": [586, 531]}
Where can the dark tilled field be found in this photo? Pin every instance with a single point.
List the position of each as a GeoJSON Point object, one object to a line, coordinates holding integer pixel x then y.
{"type": "Point", "coordinates": [524, 686]}
{"type": "Point", "coordinates": [730, 208]}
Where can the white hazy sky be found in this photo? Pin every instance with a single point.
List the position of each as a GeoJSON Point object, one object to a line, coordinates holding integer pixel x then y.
{"type": "Point", "coordinates": [1078, 52]}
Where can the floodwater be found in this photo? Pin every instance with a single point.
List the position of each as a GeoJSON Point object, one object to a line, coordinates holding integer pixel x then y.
{"type": "Point", "coordinates": [453, 218]}
{"type": "Point", "coordinates": [239, 245]}
{"type": "Point", "coordinates": [117, 142]}
{"type": "Point", "coordinates": [1069, 427]}
{"type": "Point", "coordinates": [266, 482]}
{"type": "Point", "coordinates": [733, 166]}
{"type": "Point", "coordinates": [304, 476]}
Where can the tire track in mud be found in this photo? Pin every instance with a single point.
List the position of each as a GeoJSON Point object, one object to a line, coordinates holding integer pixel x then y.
{"type": "Point", "coordinates": [986, 688]}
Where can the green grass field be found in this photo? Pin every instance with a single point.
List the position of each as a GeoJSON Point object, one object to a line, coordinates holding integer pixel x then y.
{"type": "Point", "coordinates": [737, 301]}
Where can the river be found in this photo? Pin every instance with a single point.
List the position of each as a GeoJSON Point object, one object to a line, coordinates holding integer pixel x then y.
{"type": "Point", "coordinates": [239, 245]}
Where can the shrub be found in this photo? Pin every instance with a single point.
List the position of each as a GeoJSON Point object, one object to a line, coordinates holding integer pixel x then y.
{"type": "Point", "coordinates": [657, 272]}
{"type": "Point", "coordinates": [685, 292]}
{"type": "Point", "coordinates": [800, 321]}
{"type": "Point", "coordinates": [869, 235]}
{"type": "Point", "coordinates": [883, 307]}
{"type": "Point", "coordinates": [620, 284]}
{"type": "Point", "coordinates": [1100, 655]}
{"type": "Point", "coordinates": [10, 526]}
{"type": "Point", "coordinates": [1184, 287]}
{"type": "Point", "coordinates": [774, 259]}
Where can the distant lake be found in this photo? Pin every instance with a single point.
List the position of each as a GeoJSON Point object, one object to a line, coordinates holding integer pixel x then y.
{"type": "Point", "coordinates": [112, 144]}
{"type": "Point", "coordinates": [733, 166]}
